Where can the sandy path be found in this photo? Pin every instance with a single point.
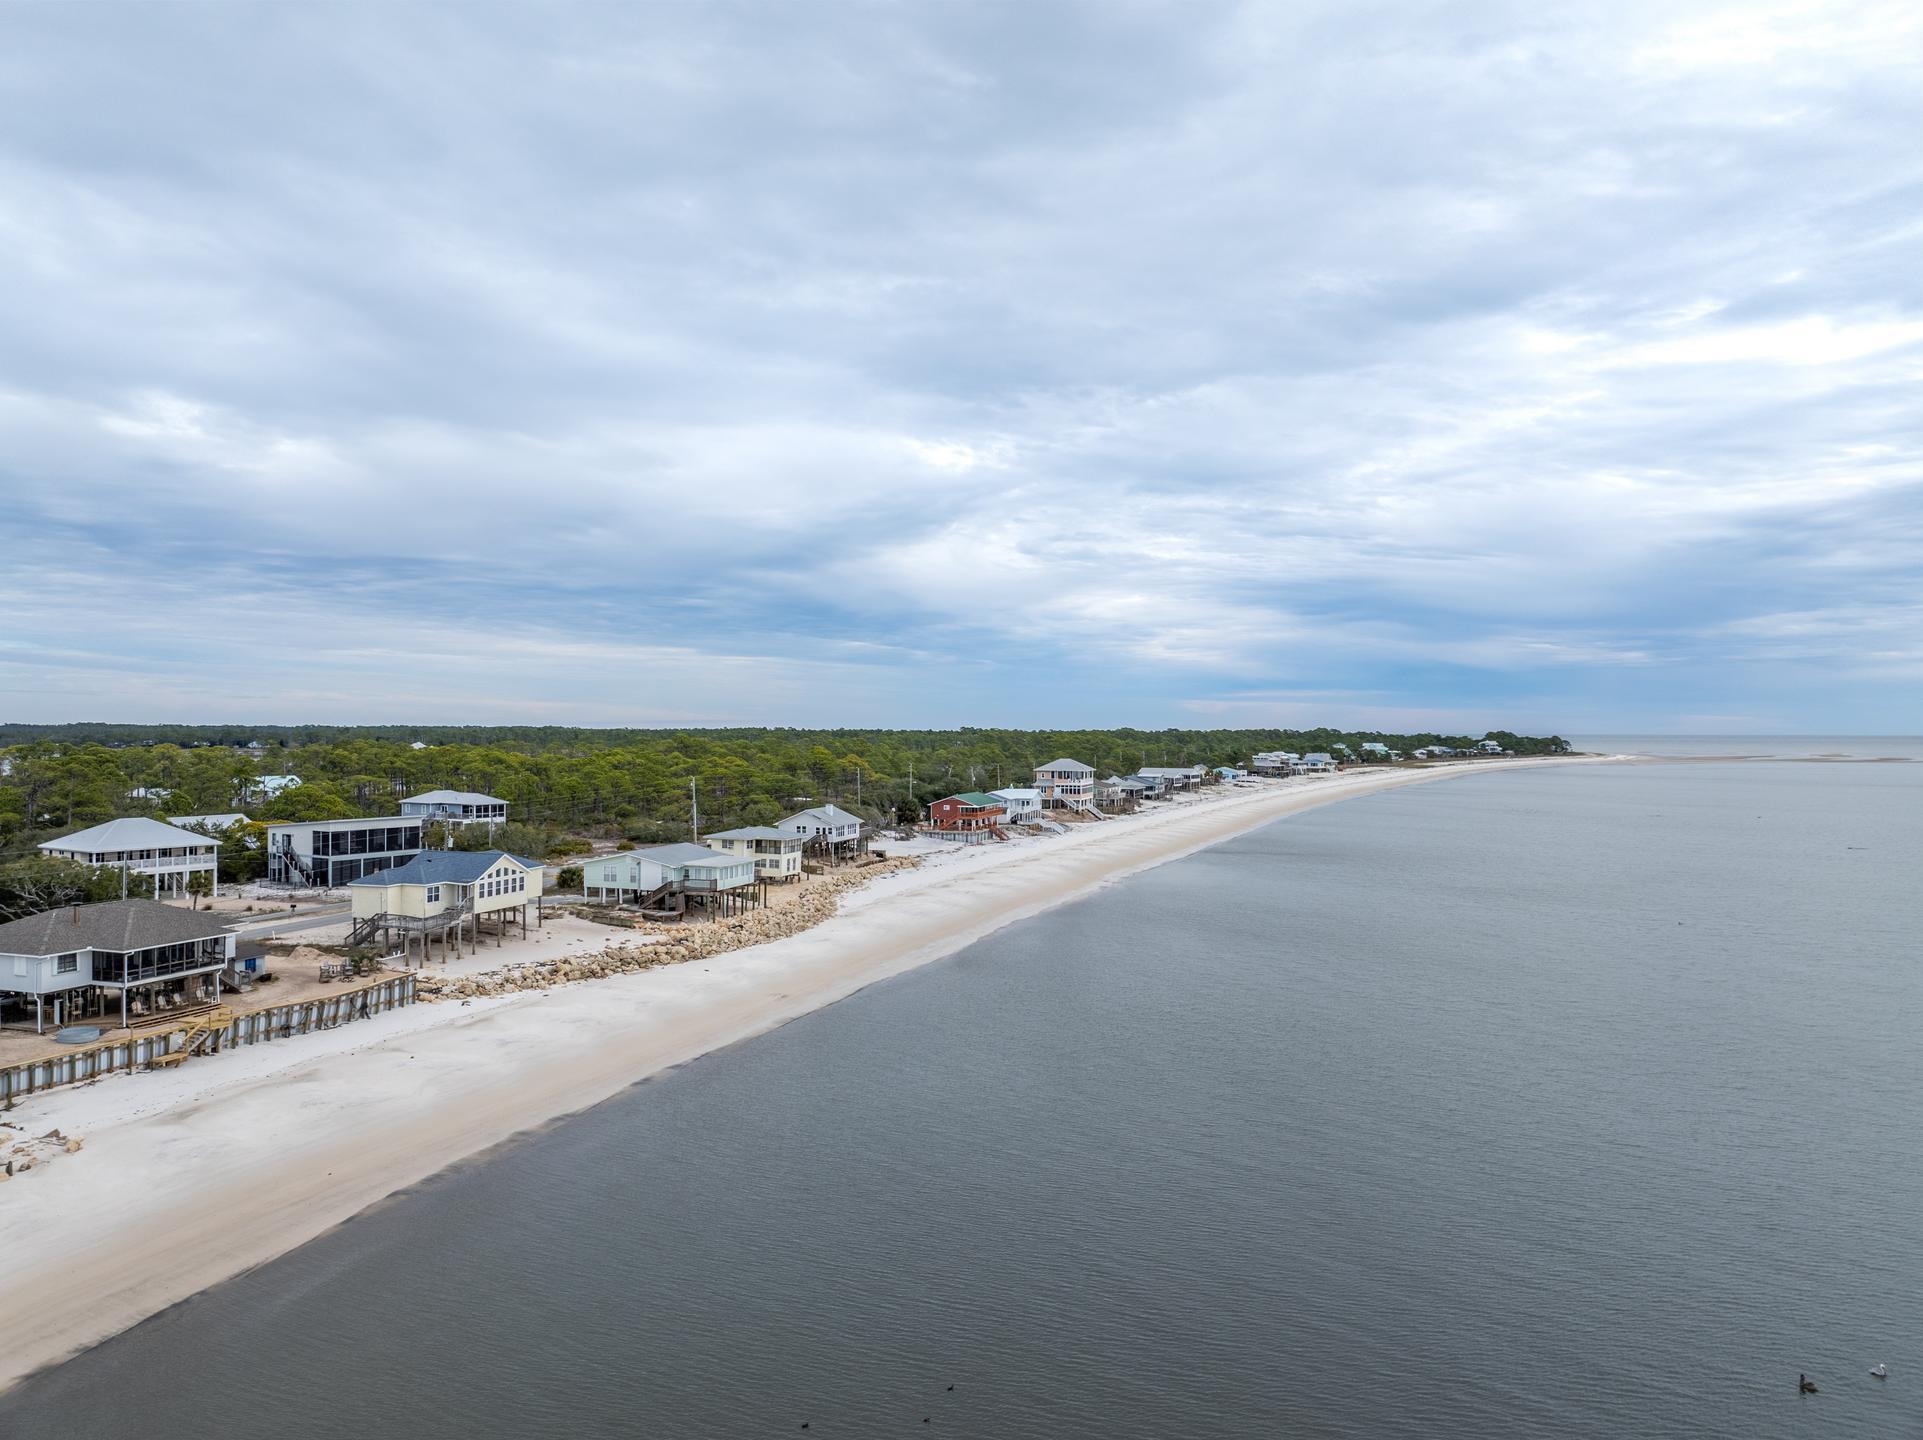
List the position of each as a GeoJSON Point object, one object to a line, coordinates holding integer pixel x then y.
{"type": "Point", "coordinates": [190, 1177]}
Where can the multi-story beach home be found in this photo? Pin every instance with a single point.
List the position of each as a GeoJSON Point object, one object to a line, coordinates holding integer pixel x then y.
{"type": "Point", "coordinates": [1489, 747]}
{"type": "Point", "coordinates": [1319, 763]}
{"type": "Point", "coordinates": [1274, 762]}
{"type": "Point", "coordinates": [665, 871]}
{"type": "Point", "coordinates": [121, 958]}
{"type": "Point", "coordinates": [455, 807]}
{"type": "Point", "coordinates": [1020, 803]}
{"type": "Point", "coordinates": [1376, 751]}
{"type": "Point", "coordinates": [826, 829]}
{"type": "Point", "coordinates": [323, 853]}
{"type": "Point", "coordinates": [443, 894]}
{"type": "Point", "coordinates": [776, 853]}
{"type": "Point", "coordinates": [1115, 793]}
{"type": "Point", "coordinates": [143, 847]}
{"type": "Point", "coordinates": [970, 817]}
{"type": "Point", "coordinates": [1066, 785]}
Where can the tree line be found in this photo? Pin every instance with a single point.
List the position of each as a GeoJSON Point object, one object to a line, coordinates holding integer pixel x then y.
{"type": "Point", "coordinates": [563, 784]}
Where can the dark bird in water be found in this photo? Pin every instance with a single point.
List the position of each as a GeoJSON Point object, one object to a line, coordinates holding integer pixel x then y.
{"type": "Point", "coordinates": [951, 1387]}
{"type": "Point", "coordinates": [1805, 1384]}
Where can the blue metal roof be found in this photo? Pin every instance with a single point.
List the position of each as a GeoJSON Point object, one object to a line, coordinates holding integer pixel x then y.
{"type": "Point", "coordinates": [443, 867]}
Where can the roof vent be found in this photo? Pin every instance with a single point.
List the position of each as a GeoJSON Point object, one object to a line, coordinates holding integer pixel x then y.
{"type": "Point", "coordinates": [76, 914]}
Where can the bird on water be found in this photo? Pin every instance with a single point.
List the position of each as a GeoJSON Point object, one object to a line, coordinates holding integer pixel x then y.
{"type": "Point", "coordinates": [1881, 1372]}
{"type": "Point", "coordinates": [1805, 1384]}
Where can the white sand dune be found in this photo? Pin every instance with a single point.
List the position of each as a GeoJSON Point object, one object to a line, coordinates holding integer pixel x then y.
{"type": "Point", "coordinates": [193, 1176]}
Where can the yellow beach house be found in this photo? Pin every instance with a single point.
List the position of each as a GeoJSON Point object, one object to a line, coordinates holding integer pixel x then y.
{"type": "Point", "coordinates": [445, 895]}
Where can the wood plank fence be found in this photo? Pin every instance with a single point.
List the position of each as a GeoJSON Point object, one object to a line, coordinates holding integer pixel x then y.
{"type": "Point", "coordinates": [279, 1022]}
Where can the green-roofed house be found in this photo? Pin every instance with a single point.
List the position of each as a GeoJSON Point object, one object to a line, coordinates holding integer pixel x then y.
{"type": "Point", "coordinates": [971, 817]}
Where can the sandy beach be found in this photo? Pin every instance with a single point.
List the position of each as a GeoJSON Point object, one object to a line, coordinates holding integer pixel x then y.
{"type": "Point", "coordinates": [192, 1176]}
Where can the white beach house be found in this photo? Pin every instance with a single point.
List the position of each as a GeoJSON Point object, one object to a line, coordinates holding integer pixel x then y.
{"type": "Point", "coordinates": [1066, 785]}
{"type": "Point", "coordinates": [112, 960]}
{"type": "Point", "coordinates": [776, 853]}
{"type": "Point", "coordinates": [665, 870]}
{"type": "Point", "coordinates": [1318, 763]}
{"type": "Point", "coordinates": [455, 807]}
{"type": "Point", "coordinates": [1020, 804]}
{"type": "Point", "coordinates": [826, 829]}
{"type": "Point", "coordinates": [143, 847]}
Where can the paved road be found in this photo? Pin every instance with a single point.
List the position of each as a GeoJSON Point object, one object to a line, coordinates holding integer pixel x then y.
{"type": "Point", "coordinates": [269, 927]}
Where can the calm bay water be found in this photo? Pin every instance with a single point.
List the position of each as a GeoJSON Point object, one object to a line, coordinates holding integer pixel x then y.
{"type": "Point", "coordinates": [1578, 1103]}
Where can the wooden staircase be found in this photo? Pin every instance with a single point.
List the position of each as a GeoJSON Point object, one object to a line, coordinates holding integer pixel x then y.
{"type": "Point", "coordinates": [200, 1034]}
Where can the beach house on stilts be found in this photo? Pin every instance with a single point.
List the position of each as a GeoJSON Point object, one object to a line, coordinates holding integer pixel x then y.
{"type": "Point", "coordinates": [453, 896]}
{"type": "Point", "coordinates": [827, 832]}
{"type": "Point", "coordinates": [1068, 785]}
{"type": "Point", "coordinates": [776, 853]}
{"type": "Point", "coordinates": [169, 855]}
{"type": "Point", "coordinates": [114, 962]}
{"type": "Point", "coordinates": [674, 879]}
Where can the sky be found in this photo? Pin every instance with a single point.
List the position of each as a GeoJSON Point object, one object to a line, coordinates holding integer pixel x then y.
{"type": "Point", "coordinates": [1394, 366]}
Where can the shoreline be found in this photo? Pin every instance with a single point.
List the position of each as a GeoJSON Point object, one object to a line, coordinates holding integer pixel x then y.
{"type": "Point", "coordinates": [190, 1178]}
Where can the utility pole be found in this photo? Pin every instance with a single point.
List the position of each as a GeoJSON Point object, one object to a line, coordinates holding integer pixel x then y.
{"type": "Point", "coordinates": [694, 811]}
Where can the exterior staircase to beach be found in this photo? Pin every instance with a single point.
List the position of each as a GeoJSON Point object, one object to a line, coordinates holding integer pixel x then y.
{"type": "Point", "coordinates": [200, 1036]}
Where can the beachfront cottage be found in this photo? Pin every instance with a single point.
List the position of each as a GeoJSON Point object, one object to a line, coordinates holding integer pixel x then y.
{"type": "Point", "coordinates": [325, 853]}
{"type": "Point", "coordinates": [115, 960]}
{"type": "Point", "coordinates": [1020, 804]}
{"type": "Point", "coordinates": [971, 817]}
{"type": "Point", "coordinates": [1489, 747]}
{"type": "Point", "coordinates": [776, 853]}
{"type": "Point", "coordinates": [1115, 793]}
{"type": "Point", "coordinates": [1067, 785]}
{"type": "Point", "coordinates": [1175, 777]}
{"type": "Point", "coordinates": [1275, 762]}
{"type": "Point", "coordinates": [1318, 763]}
{"type": "Point", "coordinates": [445, 895]}
{"type": "Point", "coordinates": [455, 807]}
{"type": "Point", "coordinates": [673, 877]}
{"type": "Point", "coordinates": [826, 830]}
{"type": "Point", "coordinates": [143, 847]}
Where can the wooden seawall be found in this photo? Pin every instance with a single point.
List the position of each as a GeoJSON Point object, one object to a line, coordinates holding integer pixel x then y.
{"type": "Point", "coordinates": [253, 1027]}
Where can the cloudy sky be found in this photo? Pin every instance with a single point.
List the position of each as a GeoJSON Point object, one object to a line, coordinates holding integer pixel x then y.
{"type": "Point", "coordinates": [1549, 366]}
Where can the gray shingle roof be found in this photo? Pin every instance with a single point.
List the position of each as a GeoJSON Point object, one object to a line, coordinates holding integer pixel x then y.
{"type": "Point", "coordinates": [453, 797]}
{"type": "Point", "coordinates": [752, 832]}
{"type": "Point", "coordinates": [116, 925]}
{"type": "Point", "coordinates": [1074, 767]}
{"type": "Point", "coordinates": [442, 867]}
